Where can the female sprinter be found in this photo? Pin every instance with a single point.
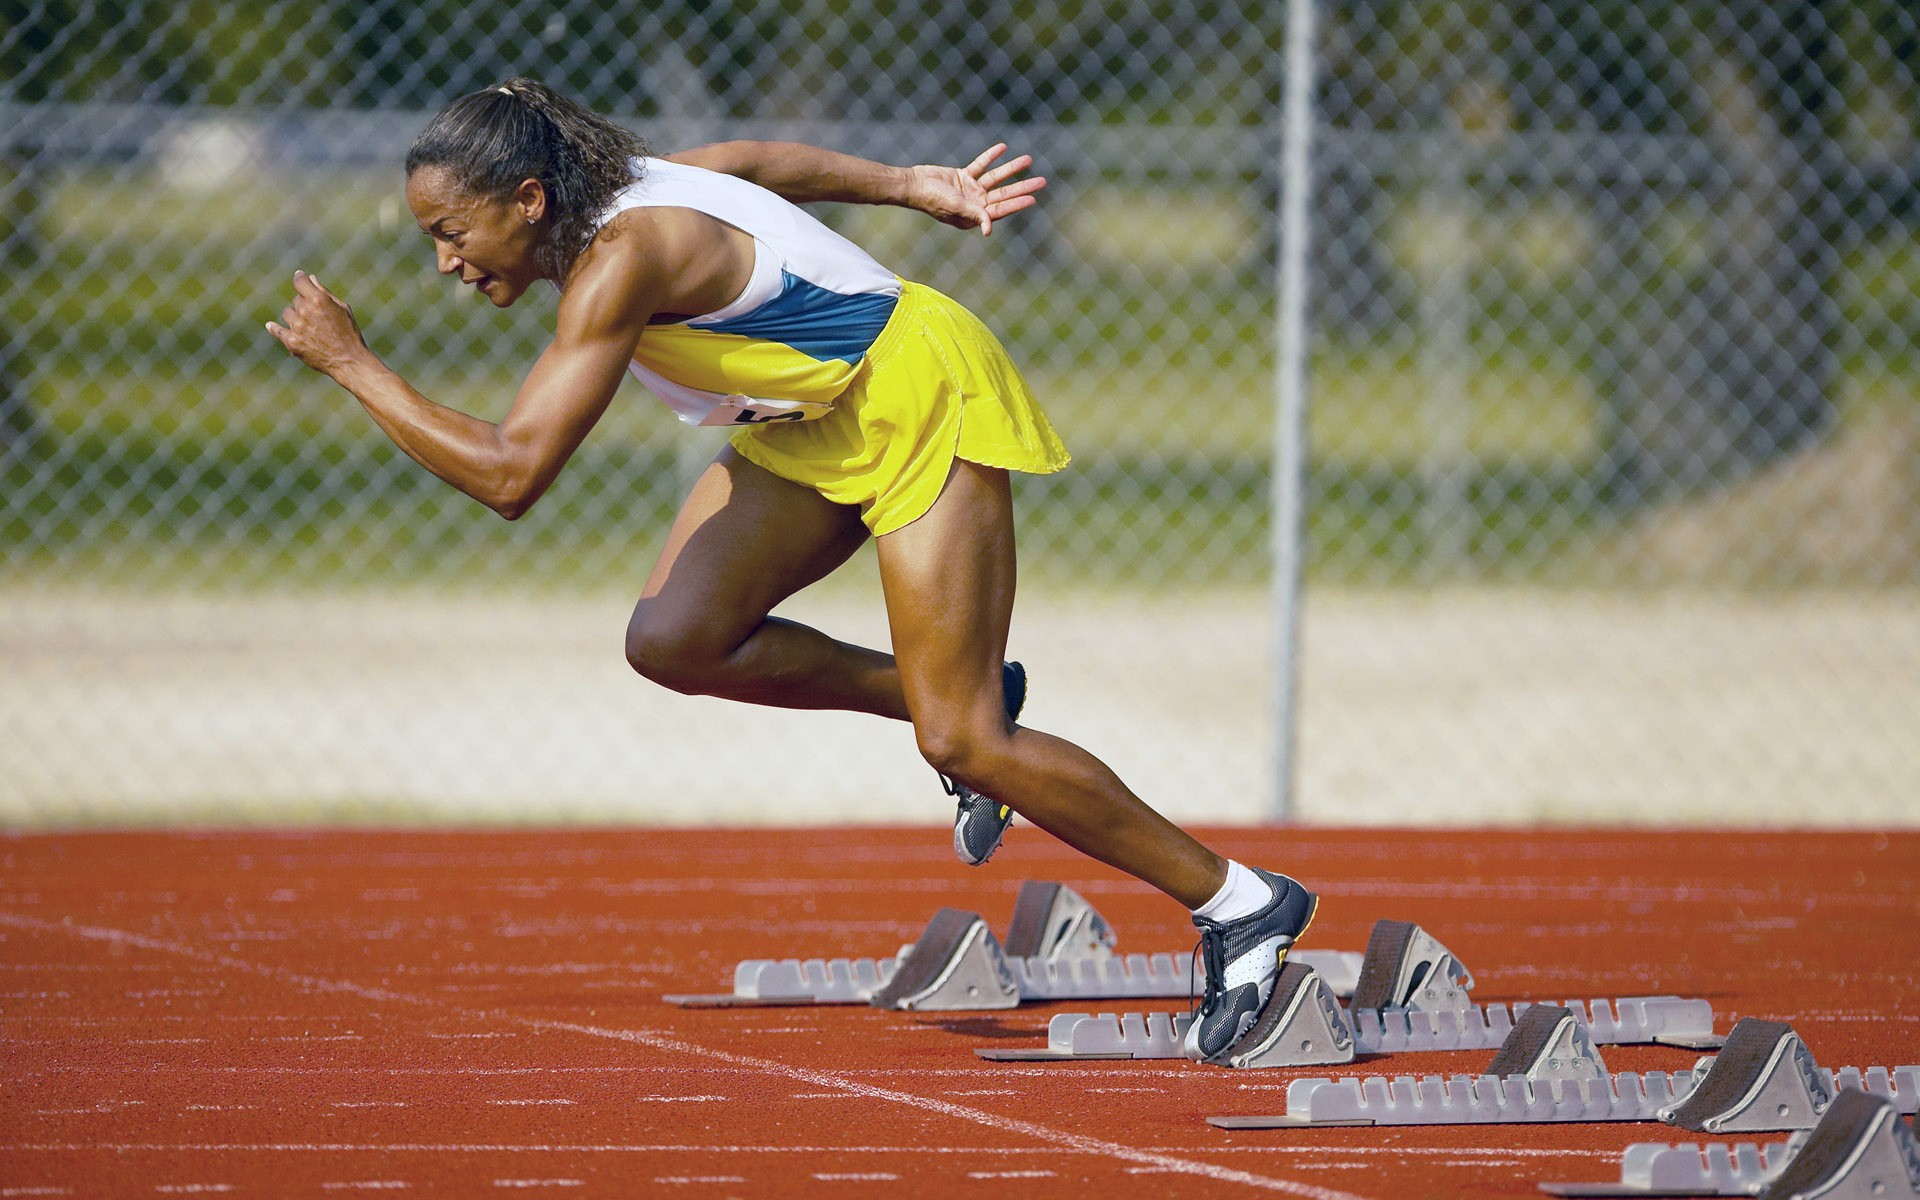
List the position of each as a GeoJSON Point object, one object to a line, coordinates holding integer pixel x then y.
{"type": "Point", "coordinates": [865, 405]}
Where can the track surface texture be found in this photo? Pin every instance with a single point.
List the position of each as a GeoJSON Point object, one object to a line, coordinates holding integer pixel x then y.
{"type": "Point", "coordinates": [479, 1014]}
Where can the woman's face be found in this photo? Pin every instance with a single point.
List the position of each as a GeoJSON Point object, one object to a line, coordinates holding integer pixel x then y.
{"type": "Point", "coordinates": [487, 243]}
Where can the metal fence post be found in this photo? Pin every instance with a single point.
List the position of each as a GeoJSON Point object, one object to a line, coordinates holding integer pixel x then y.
{"type": "Point", "coordinates": [1290, 388]}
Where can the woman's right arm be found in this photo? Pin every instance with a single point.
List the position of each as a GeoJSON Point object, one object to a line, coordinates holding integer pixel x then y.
{"type": "Point", "coordinates": [975, 195]}
{"type": "Point", "coordinates": [508, 465]}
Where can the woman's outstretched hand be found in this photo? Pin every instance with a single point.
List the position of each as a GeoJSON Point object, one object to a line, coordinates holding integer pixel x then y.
{"type": "Point", "coordinates": [977, 194]}
{"type": "Point", "coordinates": [318, 328]}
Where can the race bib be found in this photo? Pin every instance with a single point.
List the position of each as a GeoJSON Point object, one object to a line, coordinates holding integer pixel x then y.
{"type": "Point", "coordinates": [745, 410]}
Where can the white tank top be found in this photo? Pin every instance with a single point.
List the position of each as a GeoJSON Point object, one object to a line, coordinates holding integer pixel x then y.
{"type": "Point", "coordinates": [795, 336]}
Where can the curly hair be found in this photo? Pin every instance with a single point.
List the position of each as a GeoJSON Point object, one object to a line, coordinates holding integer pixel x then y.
{"type": "Point", "coordinates": [492, 140]}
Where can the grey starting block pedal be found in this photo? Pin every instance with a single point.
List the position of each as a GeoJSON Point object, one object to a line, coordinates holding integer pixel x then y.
{"type": "Point", "coordinates": [1058, 948]}
{"type": "Point", "coordinates": [1860, 1150]}
{"type": "Point", "coordinates": [1549, 1043]}
{"type": "Point", "coordinates": [1405, 967]}
{"type": "Point", "coordinates": [1765, 1079]}
{"type": "Point", "coordinates": [1052, 923]}
{"type": "Point", "coordinates": [956, 965]}
{"type": "Point", "coordinates": [1560, 1078]}
{"type": "Point", "coordinates": [1301, 1025]}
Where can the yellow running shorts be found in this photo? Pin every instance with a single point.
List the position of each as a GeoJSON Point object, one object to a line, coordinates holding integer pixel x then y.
{"type": "Point", "coordinates": [936, 385]}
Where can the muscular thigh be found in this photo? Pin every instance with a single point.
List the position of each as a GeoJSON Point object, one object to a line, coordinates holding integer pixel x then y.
{"type": "Point", "coordinates": [744, 540]}
{"type": "Point", "coordinates": [949, 583]}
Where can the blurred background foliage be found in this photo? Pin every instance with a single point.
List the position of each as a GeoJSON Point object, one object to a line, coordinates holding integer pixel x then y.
{"type": "Point", "coordinates": [1571, 261]}
{"type": "Point", "coordinates": [1614, 474]}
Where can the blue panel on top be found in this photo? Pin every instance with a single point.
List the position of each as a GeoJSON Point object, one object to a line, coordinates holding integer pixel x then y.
{"type": "Point", "coordinates": [819, 323]}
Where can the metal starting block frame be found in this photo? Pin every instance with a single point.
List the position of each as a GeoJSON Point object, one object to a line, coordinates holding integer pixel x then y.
{"type": "Point", "coordinates": [1302, 1017]}
{"type": "Point", "coordinates": [1715, 1169]}
{"type": "Point", "coordinates": [1058, 948]}
{"type": "Point", "coordinates": [1548, 1072]}
{"type": "Point", "coordinates": [1424, 987]}
{"type": "Point", "coordinates": [1860, 1150]}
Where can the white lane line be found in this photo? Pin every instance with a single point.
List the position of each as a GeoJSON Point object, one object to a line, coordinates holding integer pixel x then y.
{"type": "Point", "coordinates": [1057, 1137]}
{"type": "Point", "coordinates": [819, 1078]}
{"type": "Point", "coordinates": [371, 1185]}
{"type": "Point", "coordinates": [853, 1176]}
{"type": "Point", "coordinates": [518, 1103]}
{"type": "Point", "coordinates": [538, 1183]}
{"type": "Point", "coordinates": [1009, 1174]}
{"type": "Point", "coordinates": [192, 1189]}
{"type": "Point", "coordinates": [35, 1191]}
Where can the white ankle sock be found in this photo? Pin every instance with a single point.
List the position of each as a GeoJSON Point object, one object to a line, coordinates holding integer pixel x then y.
{"type": "Point", "coordinates": [1242, 895]}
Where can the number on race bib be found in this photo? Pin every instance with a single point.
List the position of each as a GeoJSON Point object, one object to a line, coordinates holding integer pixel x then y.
{"type": "Point", "coordinates": [748, 416]}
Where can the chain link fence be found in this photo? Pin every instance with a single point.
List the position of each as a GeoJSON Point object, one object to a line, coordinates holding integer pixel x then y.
{"type": "Point", "coordinates": [1612, 487]}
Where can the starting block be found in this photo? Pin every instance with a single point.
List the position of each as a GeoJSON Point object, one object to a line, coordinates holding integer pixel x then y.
{"type": "Point", "coordinates": [1302, 1020]}
{"type": "Point", "coordinates": [1424, 1006]}
{"type": "Point", "coordinates": [1560, 1078]}
{"type": "Point", "coordinates": [955, 965]}
{"type": "Point", "coordinates": [1406, 968]}
{"type": "Point", "coordinates": [1766, 1079]}
{"type": "Point", "coordinates": [1860, 1150]}
{"type": "Point", "coordinates": [1545, 1073]}
{"type": "Point", "coordinates": [1058, 947]}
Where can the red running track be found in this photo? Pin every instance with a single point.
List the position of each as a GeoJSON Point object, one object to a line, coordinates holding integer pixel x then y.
{"type": "Point", "coordinates": [342, 1014]}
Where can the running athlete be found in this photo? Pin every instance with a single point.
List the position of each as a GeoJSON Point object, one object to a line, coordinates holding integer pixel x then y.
{"type": "Point", "coordinates": [865, 406]}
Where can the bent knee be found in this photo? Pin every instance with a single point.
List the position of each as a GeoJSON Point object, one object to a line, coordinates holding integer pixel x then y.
{"type": "Point", "coordinates": [967, 751]}
{"type": "Point", "coordinates": [672, 652]}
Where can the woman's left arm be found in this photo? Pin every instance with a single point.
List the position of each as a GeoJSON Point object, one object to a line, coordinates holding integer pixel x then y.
{"type": "Point", "coordinates": [975, 195]}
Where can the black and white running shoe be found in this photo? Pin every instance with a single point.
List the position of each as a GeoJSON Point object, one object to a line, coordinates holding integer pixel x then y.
{"type": "Point", "coordinates": [1242, 958]}
{"type": "Point", "coordinates": [981, 821]}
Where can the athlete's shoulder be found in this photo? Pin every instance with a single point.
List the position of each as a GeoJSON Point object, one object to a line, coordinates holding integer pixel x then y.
{"type": "Point", "coordinates": [645, 261]}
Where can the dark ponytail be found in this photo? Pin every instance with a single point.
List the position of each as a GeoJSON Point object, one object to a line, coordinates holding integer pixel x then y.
{"type": "Point", "coordinates": [491, 140]}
